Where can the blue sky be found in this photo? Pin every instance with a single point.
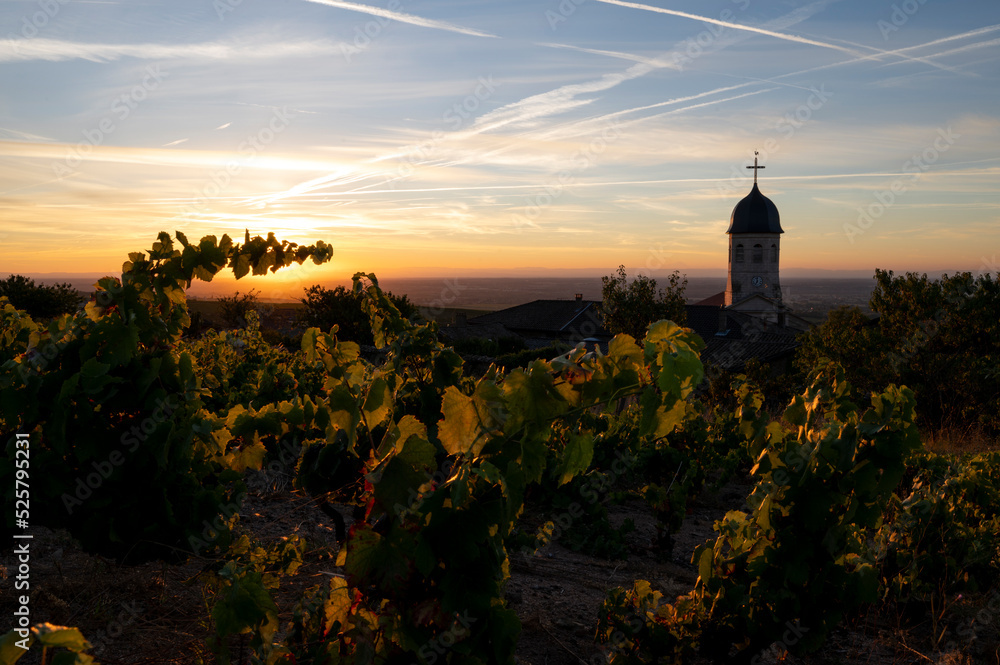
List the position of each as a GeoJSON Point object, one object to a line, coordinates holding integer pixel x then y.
{"type": "Point", "coordinates": [471, 137]}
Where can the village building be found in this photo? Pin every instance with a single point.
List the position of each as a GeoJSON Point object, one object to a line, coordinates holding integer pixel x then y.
{"type": "Point", "coordinates": [748, 320]}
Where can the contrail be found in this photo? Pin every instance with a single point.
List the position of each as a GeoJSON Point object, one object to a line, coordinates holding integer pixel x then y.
{"type": "Point", "coordinates": [963, 49]}
{"type": "Point", "coordinates": [559, 100]}
{"type": "Point", "coordinates": [58, 50]}
{"type": "Point", "coordinates": [574, 128]}
{"type": "Point", "coordinates": [826, 176]}
{"type": "Point", "coordinates": [878, 53]}
{"type": "Point", "coordinates": [564, 98]}
{"type": "Point", "coordinates": [963, 35]}
{"type": "Point", "coordinates": [652, 62]}
{"type": "Point", "coordinates": [698, 106]}
{"type": "Point", "coordinates": [402, 18]}
{"type": "Point", "coordinates": [863, 58]}
{"type": "Point", "coordinates": [676, 100]}
{"type": "Point", "coordinates": [736, 26]}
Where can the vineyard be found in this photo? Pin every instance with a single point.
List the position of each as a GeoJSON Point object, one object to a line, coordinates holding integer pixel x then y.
{"type": "Point", "coordinates": [440, 483]}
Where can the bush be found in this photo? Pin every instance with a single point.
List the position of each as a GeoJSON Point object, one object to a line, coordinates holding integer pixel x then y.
{"type": "Point", "coordinates": [325, 308]}
{"type": "Point", "coordinates": [526, 357]}
{"type": "Point", "coordinates": [40, 301]}
{"type": "Point", "coordinates": [942, 534]}
{"type": "Point", "coordinates": [852, 339]}
{"type": "Point", "coordinates": [629, 307]}
{"type": "Point", "coordinates": [479, 346]}
{"type": "Point", "coordinates": [135, 463]}
{"type": "Point", "coordinates": [236, 307]}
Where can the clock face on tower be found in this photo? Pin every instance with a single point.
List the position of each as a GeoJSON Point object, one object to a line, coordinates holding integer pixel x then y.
{"type": "Point", "coordinates": [757, 280]}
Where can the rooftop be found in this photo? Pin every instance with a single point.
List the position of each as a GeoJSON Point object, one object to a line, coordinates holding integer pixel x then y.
{"type": "Point", "coordinates": [556, 318]}
{"type": "Point", "coordinates": [755, 214]}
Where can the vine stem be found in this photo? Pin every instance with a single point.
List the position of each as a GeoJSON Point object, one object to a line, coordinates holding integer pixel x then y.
{"type": "Point", "coordinates": [564, 647]}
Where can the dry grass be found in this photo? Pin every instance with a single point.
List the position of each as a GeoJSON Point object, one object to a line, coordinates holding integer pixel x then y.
{"type": "Point", "coordinates": [158, 612]}
{"type": "Point", "coordinates": [959, 440]}
{"type": "Point", "coordinates": [559, 597]}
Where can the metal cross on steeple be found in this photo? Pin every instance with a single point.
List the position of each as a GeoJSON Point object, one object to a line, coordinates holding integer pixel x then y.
{"type": "Point", "coordinates": [755, 167]}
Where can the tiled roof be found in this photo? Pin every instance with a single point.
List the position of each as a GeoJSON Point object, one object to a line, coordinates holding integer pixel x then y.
{"type": "Point", "coordinates": [718, 300]}
{"type": "Point", "coordinates": [703, 319]}
{"type": "Point", "coordinates": [485, 331]}
{"type": "Point", "coordinates": [741, 338]}
{"type": "Point", "coordinates": [733, 354]}
{"type": "Point", "coordinates": [748, 337]}
{"type": "Point", "coordinates": [559, 318]}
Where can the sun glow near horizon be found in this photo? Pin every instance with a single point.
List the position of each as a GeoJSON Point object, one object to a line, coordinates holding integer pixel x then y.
{"type": "Point", "coordinates": [557, 141]}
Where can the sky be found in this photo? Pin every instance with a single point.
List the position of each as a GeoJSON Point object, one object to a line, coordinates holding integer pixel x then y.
{"type": "Point", "coordinates": [436, 138]}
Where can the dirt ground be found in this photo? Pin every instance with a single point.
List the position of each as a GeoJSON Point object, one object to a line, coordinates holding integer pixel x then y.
{"type": "Point", "coordinates": [156, 613]}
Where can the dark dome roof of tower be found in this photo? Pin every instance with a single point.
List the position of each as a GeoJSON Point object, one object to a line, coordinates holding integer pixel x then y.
{"type": "Point", "coordinates": [755, 214]}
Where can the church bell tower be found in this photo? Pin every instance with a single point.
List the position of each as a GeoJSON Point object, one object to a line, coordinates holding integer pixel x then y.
{"type": "Point", "coordinates": [754, 247]}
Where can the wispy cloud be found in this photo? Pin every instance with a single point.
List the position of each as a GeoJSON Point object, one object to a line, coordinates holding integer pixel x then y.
{"type": "Point", "coordinates": [552, 102]}
{"type": "Point", "coordinates": [703, 104]}
{"type": "Point", "coordinates": [528, 112]}
{"type": "Point", "coordinates": [565, 98]}
{"type": "Point", "coordinates": [402, 18]}
{"type": "Point", "coordinates": [652, 62]}
{"type": "Point", "coordinates": [964, 35]}
{"type": "Point", "coordinates": [19, 135]}
{"type": "Point", "coordinates": [665, 181]}
{"type": "Point", "coordinates": [589, 124]}
{"type": "Point", "coordinates": [902, 58]}
{"type": "Point", "coordinates": [200, 159]}
{"type": "Point", "coordinates": [968, 47]}
{"type": "Point", "coordinates": [729, 24]}
{"type": "Point", "coordinates": [864, 58]}
{"type": "Point", "coordinates": [57, 50]}
{"type": "Point", "coordinates": [873, 53]}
